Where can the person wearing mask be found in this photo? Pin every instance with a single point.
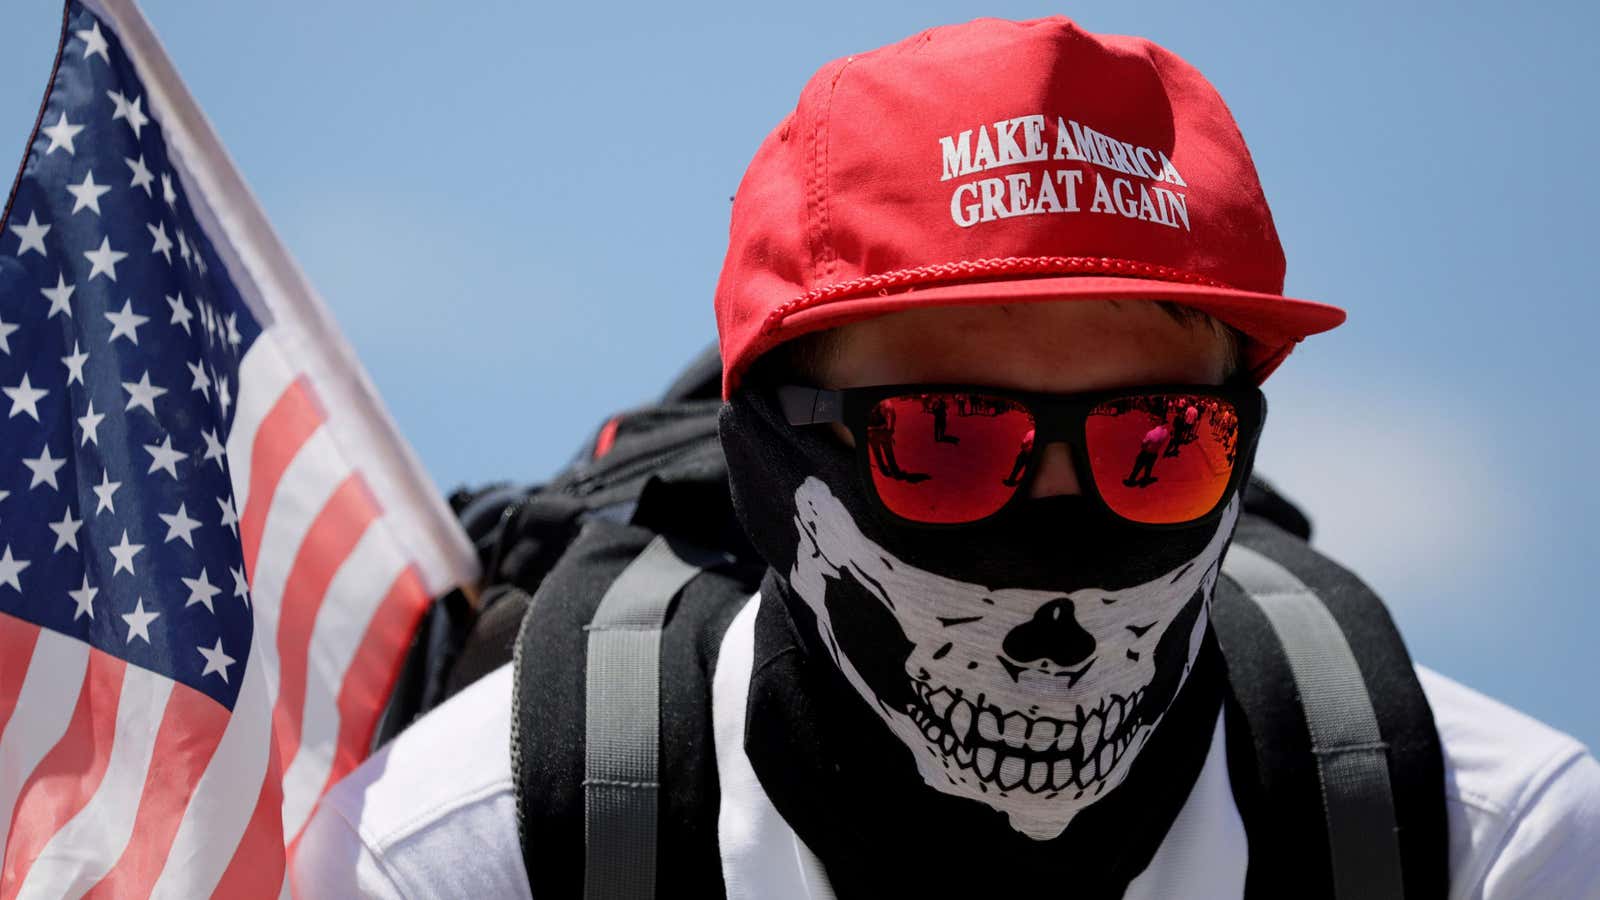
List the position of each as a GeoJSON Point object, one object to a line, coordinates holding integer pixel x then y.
{"type": "Point", "coordinates": [977, 684]}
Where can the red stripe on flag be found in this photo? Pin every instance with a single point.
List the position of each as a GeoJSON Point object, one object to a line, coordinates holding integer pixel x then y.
{"type": "Point", "coordinates": [327, 544]}
{"type": "Point", "coordinates": [372, 674]}
{"type": "Point", "coordinates": [16, 651]}
{"type": "Point", "coordinates": [374, 669]}
{"type": "Point", "coordinates": [69, 774]}
{"type": "Point", "coordinates": [257, 866]}
{"type": "Point", "coordinates": [291, 421]}
{"type": "Point", "coordinates": [190, 730]}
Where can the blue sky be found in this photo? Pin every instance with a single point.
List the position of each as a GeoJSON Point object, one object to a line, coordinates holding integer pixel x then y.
{"type": "Point", "coordinates": [518, 216]}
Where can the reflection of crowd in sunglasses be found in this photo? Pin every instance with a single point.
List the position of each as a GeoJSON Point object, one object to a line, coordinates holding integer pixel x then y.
{"type": "Point", "coordinates": [1174, 422]}
{"type": "Point", "coordinates": [966, 404]}
{"type": "Point", "coordinates": [1185, 419]}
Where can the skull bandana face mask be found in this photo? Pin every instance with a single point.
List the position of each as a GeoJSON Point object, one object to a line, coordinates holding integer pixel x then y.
{"type": "Point", "coordinates": [1024, 664]}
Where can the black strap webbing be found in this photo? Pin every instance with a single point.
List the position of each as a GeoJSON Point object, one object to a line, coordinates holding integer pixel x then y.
{"type": "Point", "coordinates": [622, 718]}
{"type": "Point", "coordinates": [1350, 753]}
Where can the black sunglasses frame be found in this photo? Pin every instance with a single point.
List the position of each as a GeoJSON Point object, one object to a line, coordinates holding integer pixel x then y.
{"type": "Point", "coordinates": [1057, 418]}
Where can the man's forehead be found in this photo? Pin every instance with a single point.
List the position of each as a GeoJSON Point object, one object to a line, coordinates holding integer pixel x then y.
{"type": "Point", "coordinates": [1057, 347]}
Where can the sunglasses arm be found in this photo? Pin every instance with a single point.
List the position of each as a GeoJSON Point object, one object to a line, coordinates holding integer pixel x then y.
{"type": "Point", "coordinates": [810, 406]}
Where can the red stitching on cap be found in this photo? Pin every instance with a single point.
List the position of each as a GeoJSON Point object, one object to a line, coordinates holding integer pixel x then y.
{"type": "Point", "coordinates": [979, 268]}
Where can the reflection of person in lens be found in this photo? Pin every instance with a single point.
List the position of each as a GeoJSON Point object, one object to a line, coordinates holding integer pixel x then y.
{"type": "Point", "coordinates": [880, 439]}
{"type": "Point", "coordinates": [1183, 428]}
{"type": "Point", "coordinates": [1145, 463]}
{"type": "Point", "coordinates": [1227, 432]}
{"type": "Point", "coordinates": [1022, 460]}
{"type": "Point", "coordinates": [940, 411]}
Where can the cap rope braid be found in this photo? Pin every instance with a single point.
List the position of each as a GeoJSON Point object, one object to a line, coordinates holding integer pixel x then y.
{"type": "Point", "coordinates": [984, 268]}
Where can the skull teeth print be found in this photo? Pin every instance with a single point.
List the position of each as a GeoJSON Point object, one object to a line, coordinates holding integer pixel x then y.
{"type": "Point", "coordinates": [1031, 701]}
{"type": "Point", "coordinates": [1038, 754]}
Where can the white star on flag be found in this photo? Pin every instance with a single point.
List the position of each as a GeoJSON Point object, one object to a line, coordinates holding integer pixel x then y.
{"type": "Point", "coordinates": [230, 519]}
{"type": "Point", "coordinates": [179, 526]}
{"type": "Point", "coordinates": [201, 590]}
{"type": "Point", "coordinates": [103, 261]}
{"type": "Point", "coordinates": [44, 468]}
{"type": "Point", "coordinates": [142, 393]}
{"type": "Point", "coordinates": [201, 382]}
{"type": "Point", "coordinates": [214, 448]}
{"type": "Point", "coordinates": [6, 330]}
{"type": "Point", "coordinates": [142, 176]}
{"type": "Point", "coordinates": [180, 313]}
{"type": "Point", "coordinates": [61, 135]}
{"type": "Point", "coordinates": [10, 568]}
{"type": "Point", "coordinates": [103, 492]}
{"type": "Point", "coordinates": [32, 236]}
{"type": "Point", "coordinates": [94, 43]}
{"type": "Point", "coordinates": [87, 194]}
{"type": "Point", "coordinates": [74, 363]}
{"type": "Point", "coordinates": [139, 622]}
{"type": "Point", "coordinates": [58, 296]}
{"type": "Point", "coordinates": [163, 457]}
{"type": "Point", "coordinates": [170, 195]}
{"type": "Point", "coordinates": [84, 598]}
{"type": "Point", "coordinates": [126, 322]}
{"type": "Point", "coordinates": [163, 244]}
{"type": "Point", "coordinates": [241, 587]}
{"type": "Point", "coordinates": [129, 110]}
{"type": "Point", "coordinates": [216, 660]}
{"type": "Point", "coordinates": [25, 398]}
{"type": "Point", "coordinates": [90, 423]}
{"type": "Point", "coordinates": [124, 553]}
{"type": "Point", "coordinates": [66, 530]}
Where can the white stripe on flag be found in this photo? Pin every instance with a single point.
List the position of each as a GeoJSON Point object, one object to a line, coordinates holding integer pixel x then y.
{"type": "Point", "coordinates": [44, 708]}
{"type": "Point", "coordinates": [224, 797]}
{"type": "Point", "coordinates": [307, 483]}
{"type": "Point", "coordinates": [106, 821]}
{"type": "Point", "coordinates": [353, 596]}
{"type": "Point", "coordinates": [263, 377]}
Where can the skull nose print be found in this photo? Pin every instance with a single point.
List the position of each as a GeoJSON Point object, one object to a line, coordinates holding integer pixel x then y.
{"type": "Point", "coordinates": [1053, 633]}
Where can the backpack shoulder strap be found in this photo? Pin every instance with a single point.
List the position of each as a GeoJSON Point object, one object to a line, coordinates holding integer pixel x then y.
{"type": "Point", "coordinates": [612, 748]}
{"type": "Point", "coordinates": [1349, 752]}
{"type": "Point", "coordinates": [1336, 762]}
{"type": "Point", "coordinates": [622, 719]}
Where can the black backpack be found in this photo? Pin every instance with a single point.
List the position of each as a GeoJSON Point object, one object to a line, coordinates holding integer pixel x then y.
{"type": "Point", "coordinates": [610, 586]}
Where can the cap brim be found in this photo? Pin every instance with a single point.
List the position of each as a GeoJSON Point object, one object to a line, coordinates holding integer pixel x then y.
{"type": "Point", "coordinates": [1273, 323]}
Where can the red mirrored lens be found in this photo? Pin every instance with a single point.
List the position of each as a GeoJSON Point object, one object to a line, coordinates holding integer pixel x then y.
{"type": "Point", "coordinates": [947, 457]}
{"type": "Point", "coordinates": [1162, 458]}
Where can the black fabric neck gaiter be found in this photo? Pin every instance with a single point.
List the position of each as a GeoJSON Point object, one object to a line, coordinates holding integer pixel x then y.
{"type": "Point", "coordinates": [974, 707]}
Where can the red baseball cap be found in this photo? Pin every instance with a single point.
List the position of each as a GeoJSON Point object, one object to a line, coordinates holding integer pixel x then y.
{"type": "Point", "coordinates": [1004, 162]}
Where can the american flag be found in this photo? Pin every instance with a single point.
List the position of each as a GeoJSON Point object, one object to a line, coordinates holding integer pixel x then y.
{"type": "Point", "coordinates": [213, 544]}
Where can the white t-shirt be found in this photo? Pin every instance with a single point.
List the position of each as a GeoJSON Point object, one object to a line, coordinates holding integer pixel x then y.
{"type": "Point", "coordinates": [433, 814]}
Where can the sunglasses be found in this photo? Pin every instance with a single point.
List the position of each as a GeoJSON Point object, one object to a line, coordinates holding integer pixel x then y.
{"type": "Point", "coordinates": [948, 455]}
